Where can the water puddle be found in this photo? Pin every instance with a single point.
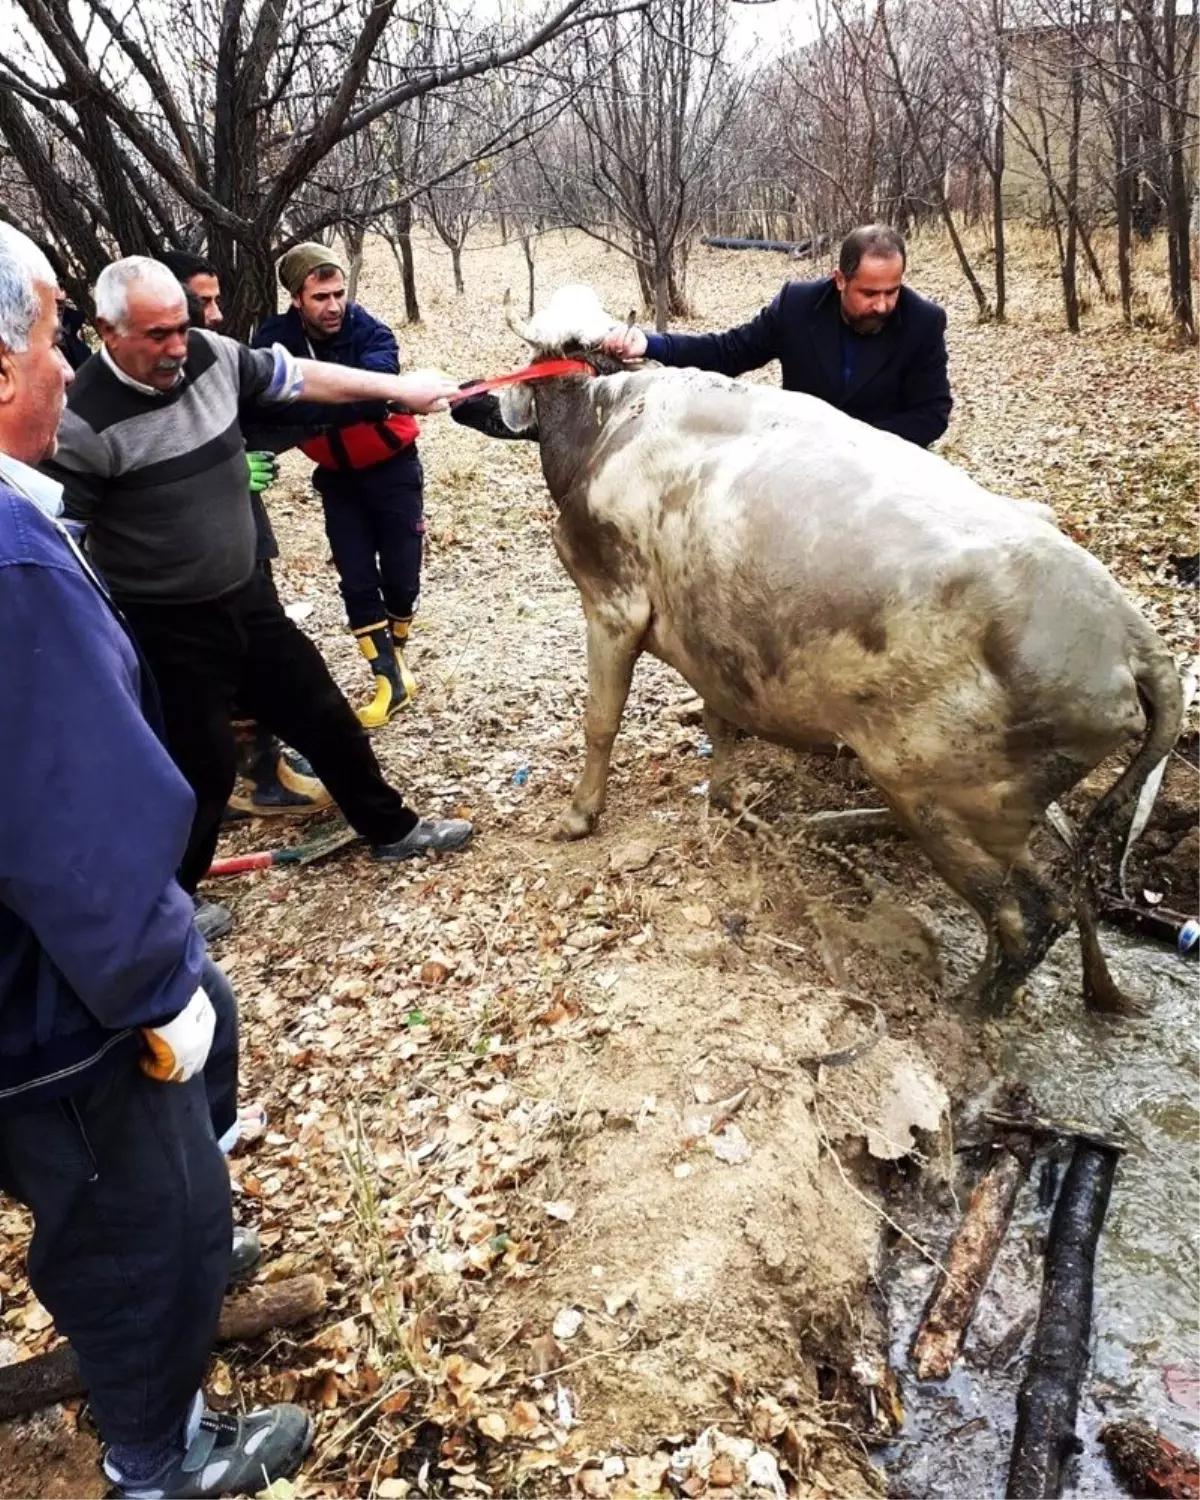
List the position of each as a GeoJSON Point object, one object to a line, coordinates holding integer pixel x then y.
{"type": "Point", "coordinates": [1139, 1082]}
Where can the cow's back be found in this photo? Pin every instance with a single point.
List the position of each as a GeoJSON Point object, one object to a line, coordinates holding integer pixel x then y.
{"type": "Point", "coordinates": [810, 575]}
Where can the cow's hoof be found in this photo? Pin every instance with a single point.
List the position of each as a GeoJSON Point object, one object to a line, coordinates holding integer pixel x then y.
{"type": "Point", "coordinates": [1102, 995]}
{"type": "Point", "coordinates": [574, 825]}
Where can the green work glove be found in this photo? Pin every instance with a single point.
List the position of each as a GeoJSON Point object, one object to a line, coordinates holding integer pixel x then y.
{"type": "Point", "coordinates": [263, 469]}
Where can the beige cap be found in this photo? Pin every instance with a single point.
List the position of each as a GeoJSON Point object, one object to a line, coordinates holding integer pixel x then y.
{"type": "Point", "coordinates": [302, 260]}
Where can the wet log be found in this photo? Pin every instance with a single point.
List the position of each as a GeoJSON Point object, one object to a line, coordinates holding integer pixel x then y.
{"type": "Point", "coordinates": [1049, 1397]}
{"type": "Point", "coordinates": [33, 1383]}
{"type": "Point", "coordinates": [1147, 1463]}
{"type": "Point", "coordinates": [968, 1266]}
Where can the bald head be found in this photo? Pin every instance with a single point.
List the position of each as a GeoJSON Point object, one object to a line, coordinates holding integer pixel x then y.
{"type": "Point", "coordinates": [33, 374]}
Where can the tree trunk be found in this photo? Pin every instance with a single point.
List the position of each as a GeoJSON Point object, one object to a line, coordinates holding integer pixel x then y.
{"type": "Point", "coordinates": [249, 289]}
{"type": "Point", "coordinates": [676, 284]}
{"type": "Point", "coordinates": [529, 246]}
{"type": "Point", "coordinates": [354, 235]}
{"type": "Point", "coordinates": [998, 196]}
{"type": "Point", "coordinates": [1179, 247]}
{"type": "Point", "coordinates": [403, 219]}
{"type": "Point", "coordinates": [662, 295]}
{"type": "Point", "coordinates": [456, 262]}
{"type": "Point", "coordinates": [1070, 254]}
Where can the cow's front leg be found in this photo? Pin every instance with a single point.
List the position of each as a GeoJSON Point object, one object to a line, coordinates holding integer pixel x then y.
{"type": "Point", "coordinates": [723, 789]}
{"type": "Point", "coordinates": [613, 643]}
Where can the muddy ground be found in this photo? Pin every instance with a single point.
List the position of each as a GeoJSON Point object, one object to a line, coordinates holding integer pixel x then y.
{"type": "Point", "coordinates": [550, 1119]}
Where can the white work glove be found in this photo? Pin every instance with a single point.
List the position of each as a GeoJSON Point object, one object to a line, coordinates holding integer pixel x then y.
{"type": "Point", "coordinates": [177, 1051]}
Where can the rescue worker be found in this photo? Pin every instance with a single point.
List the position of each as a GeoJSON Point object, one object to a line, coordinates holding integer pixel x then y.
{"type": "Point", "coordinates": [368, 472]}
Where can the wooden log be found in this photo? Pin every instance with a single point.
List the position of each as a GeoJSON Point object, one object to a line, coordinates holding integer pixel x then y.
{"type": "Point", "coordinates": [853, 822]}
{"type": "Point", "coordinates": [968, 1266]}
{"type": "Point", "coordinates": [1049, 1397]}
{"type": "Point", "coordinates": [33, 1383]}
{"type": "Point", "coordinates": [1147, 1463]}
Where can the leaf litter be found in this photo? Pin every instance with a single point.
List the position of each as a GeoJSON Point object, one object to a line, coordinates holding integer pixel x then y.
{"type": "Point", "coordinates": [500, 1089]}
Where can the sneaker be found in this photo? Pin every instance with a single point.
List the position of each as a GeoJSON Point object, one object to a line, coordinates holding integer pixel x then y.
{"type": "Point", "coordinates": [229, 1455]}
{"type": "Point", "coordinates": [429, 834]}
{"type": "Point", "coordinates": [247, 1254]}
{"type": "Point", "coordinates": [212, 919]}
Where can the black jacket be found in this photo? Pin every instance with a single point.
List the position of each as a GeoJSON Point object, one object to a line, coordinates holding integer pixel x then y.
{"type": "Point", "coordinates": [899, 384]}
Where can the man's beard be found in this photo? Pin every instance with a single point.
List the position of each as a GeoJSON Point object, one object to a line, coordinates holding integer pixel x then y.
{"type": "Point", "coordinates": [870, 323]}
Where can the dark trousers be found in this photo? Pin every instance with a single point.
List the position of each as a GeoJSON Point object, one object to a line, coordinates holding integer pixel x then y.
{"type": "Point", "coordinates": [221, 1067]}
{"type": "Point", "coordinates": [132, 1227]}
{"type": "Point", "coordinates": [244, 648]}
{"type": "Point", "coordinates": [375, 522]}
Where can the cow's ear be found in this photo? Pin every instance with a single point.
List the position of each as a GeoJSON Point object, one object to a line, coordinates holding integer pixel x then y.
{"type": "Point", "coordinates": [517, 408]}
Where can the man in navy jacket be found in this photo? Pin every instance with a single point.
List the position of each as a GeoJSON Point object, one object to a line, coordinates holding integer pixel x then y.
{"type": "Point", "coordinates": [118, 1053]}
{"type": "Point", "coordinates": [368, 474]}
{"type": "Point", "coordinates": [858, 339]}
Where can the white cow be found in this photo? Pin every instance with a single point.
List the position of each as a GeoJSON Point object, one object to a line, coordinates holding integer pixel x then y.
{"type": "Point", "coordinates": [814, 579]}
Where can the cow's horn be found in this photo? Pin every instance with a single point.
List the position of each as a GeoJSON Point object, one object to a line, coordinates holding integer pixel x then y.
{"type": "Point", "coordinates": [510, 318]}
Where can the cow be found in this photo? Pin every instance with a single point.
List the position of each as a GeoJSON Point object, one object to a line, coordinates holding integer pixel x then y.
{"type": "Point", "coordinates": [816, 580]}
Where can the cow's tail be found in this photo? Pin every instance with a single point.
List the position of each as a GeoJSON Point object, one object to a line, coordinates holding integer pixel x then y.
{"type": "Point", "coordinates": [1161, 692]}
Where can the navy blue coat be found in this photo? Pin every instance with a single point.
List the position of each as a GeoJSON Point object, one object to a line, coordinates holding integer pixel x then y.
{"type": "Point", "coordinates": [96, 938]}
{"type": "Point", "coordinates": [899, 383]}
{"type": "Point", "coordinates": [362, 342]}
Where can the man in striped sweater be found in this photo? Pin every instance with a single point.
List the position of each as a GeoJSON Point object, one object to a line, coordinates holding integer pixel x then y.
{"type": "Point", "coordinates": [151, 458]}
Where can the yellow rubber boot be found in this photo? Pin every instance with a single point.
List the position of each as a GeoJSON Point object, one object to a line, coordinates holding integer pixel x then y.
{"type": "Point", "coordinates": [401, 625]}
{"type": "Point", "coordinates": [375, 643]}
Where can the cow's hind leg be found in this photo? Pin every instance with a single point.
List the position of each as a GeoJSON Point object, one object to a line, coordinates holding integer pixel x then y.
{"type": "Point", "coordinates": [613, 644]}
{"type": "Point", "coordinates": [1101, 992]}
{"type": "Point", "coordinates": [1022, 911]}
{"type": "Point", "coordinates": [723, 789]}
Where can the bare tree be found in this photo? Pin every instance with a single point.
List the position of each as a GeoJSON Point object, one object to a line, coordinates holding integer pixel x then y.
{"type": "Point", "coordinates": [207, 121]}
{"type": "Point", "coordinates": [642, 156]}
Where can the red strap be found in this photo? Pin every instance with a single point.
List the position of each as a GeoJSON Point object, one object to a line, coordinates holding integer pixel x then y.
{"type": "Point", "coordinates": [542, 369]}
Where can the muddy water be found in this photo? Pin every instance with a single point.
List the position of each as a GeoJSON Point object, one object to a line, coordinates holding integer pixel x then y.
{"type": "Point", "coordinates": [1138, 1081]}
{"type": "Point", "coordinates": [1142, 1083]}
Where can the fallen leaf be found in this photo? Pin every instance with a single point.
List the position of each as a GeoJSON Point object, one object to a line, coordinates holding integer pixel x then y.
{"type": "Point", "coordinates": [561, 1210]}
{"type": "Point", "coordinates": [524, 1418]}
{"type": "Point", "coordinates": [645, 1475]}
{"type": "Point", "coordinates": [698, 916]}
{"type": "Point", "coordinates": [731, 1147]}
{"type": "Point", "coordinates": [280, 1489]}
{"type": "Point", "coordinates": [493, 1425]}
{"type": "Point", "coordinates": [545, 1355]}
{"type": "Point", "coordinates": [393, 1489]}
{"type": "Point", "coordinates": [35, 1318]}
{"type": "Point", "coordinates": [567, 1323]}
{"type": "Point", "coordinates": [632, 856]}
{"type": "Point", "coordinates": [592, 1483]}
{"type": "Point", "coordinates": [396, 1402]}
{"type": "Point", "coordinates": [721, 1471]}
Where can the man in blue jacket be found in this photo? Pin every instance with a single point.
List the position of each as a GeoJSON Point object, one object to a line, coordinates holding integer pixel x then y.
{"type": "Point", "coordinates": [118, 1053]}
{"type": "Point", "coordinates": [858, 339]}
{"type": "Point", "coordinates": [368, 473]}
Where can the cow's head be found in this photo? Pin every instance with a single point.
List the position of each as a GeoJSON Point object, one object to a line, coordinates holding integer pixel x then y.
{"type": "Point", "coordinates": [570, 325]}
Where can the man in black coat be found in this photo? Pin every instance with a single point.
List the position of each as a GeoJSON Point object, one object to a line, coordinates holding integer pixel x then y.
{"type": "Point", "coordinates": [858, 339]}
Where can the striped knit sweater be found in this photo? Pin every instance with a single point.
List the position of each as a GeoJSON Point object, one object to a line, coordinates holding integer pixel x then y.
{"type": "Point", "coordinates": [160, 479]}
